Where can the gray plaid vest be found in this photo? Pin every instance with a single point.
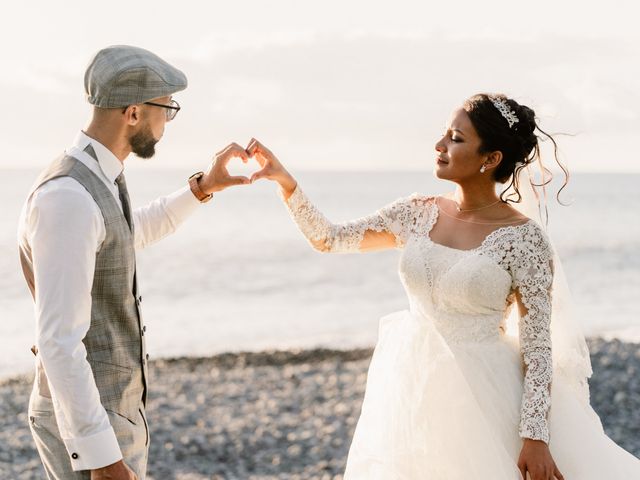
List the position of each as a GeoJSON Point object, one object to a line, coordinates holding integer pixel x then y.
{"type": "Point", "coordinates": [115, 340]}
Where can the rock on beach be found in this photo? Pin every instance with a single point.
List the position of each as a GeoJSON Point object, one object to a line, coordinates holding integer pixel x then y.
{"type": "Point", "coordinates": [281, 414]}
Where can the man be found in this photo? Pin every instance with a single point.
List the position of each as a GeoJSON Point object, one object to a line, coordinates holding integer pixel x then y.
{"type": "Point", "coordinates": [77, 239]}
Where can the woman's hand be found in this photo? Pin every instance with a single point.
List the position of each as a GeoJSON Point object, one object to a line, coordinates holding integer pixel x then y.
{"type": "Point", "coordinates": [272, 169]}
{"type": "Point", "coordinates": [536, 459]}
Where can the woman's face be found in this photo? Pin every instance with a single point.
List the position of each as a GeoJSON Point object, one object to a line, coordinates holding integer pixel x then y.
{"type": "Point", "coordinates": [458, 157]}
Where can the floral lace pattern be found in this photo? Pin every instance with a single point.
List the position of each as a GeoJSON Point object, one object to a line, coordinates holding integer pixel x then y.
{"type": "Point", "coordinates": [398, 218]}
{"type": "Point", "coordinates": [467, 292]}
{"type": "Point", "coordinates": [525, 253]}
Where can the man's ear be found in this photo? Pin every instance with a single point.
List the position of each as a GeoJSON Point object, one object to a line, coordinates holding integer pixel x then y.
{"type": "Point", "coordinates": [132, 114]}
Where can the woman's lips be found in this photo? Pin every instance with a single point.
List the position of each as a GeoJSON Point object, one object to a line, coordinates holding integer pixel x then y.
{"type": "Point", "coordinates": [439, 161]}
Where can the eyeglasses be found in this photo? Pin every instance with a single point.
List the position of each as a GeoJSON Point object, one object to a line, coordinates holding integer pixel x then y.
{"type": "Point", "coordinates": [171, 110]}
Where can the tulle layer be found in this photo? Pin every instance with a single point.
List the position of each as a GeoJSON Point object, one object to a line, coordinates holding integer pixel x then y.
{"type": "Point", "coordinates": [436, 410]}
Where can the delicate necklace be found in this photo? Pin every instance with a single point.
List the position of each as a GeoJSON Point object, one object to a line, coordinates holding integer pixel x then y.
{"type": "Point", "coordinates": [479, 223]}
{"type": "Point", "coordinates": [474, 209]}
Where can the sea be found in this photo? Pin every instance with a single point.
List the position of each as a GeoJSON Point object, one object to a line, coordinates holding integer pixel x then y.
{"type": "Point", "coordinates": [238, 275]}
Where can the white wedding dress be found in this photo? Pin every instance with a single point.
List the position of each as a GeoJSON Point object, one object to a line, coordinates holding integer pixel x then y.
{"type": "Point", "coordinates": [450, 394]}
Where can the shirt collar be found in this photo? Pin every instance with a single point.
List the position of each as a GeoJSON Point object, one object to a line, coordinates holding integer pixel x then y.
{"type": "Point", "coordinates": [109, 163]}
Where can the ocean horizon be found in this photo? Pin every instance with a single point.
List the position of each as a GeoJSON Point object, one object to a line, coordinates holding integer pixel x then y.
{"type": "Point", "coordinates": [239, 276]}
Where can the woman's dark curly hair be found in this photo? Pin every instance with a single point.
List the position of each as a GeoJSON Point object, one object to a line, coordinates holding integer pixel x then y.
{"type": "Point", "coordinates": [519, 143]}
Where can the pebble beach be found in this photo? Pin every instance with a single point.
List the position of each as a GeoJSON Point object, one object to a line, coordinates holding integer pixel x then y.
{"type": "Point", "coordinates": [282, 414]}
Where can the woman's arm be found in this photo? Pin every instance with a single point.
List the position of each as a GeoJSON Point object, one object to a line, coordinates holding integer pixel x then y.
{"type": "Point", "coordinates": [379, 231]}
{"type": "Point", "coordinates": [532, 273]}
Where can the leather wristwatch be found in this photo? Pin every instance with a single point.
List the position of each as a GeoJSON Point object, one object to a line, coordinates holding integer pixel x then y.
{"type": "Point", "coordinates": [195, 188]}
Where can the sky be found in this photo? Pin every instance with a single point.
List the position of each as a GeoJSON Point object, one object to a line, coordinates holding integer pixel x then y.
{"type": "Point", "coordinates": [350, 85]}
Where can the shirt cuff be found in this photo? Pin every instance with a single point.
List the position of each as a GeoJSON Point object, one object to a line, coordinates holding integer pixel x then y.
{"type": "Point", "coordinates": [182, 203]}
{"type": "Point", "coordinates": [95, 451]}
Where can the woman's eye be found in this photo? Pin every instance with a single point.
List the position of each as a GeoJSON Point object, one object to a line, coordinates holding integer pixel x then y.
{"type": "Point", "coordinates": [456, 139]}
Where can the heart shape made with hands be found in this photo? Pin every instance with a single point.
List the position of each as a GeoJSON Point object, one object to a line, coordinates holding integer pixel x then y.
{"type": "Point", "coordinates": [236, 167]}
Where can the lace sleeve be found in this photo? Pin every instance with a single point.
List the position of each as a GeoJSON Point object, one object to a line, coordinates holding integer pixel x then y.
{"type": "Point", "coordinates": [396, 218]}
{"type": "Point", "coordinates": [532, 273]}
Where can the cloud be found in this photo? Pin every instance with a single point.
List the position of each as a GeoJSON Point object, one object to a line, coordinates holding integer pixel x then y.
{"type": "Point", "coordinates": [362, 98]}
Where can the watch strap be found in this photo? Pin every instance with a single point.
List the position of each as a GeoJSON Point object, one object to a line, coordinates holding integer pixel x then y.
{"type": "Point", "coordinates": [195, 188]}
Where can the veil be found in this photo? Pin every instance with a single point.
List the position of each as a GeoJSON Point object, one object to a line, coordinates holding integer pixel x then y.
{"type": "Point", "coordinates": [570, 353]}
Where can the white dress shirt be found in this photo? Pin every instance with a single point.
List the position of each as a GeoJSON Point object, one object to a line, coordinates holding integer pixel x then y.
{"type": "Point", "coordinates": [65, 229]}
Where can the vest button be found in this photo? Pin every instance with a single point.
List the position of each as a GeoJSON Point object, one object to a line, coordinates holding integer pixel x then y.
{"type": "Point", "coordinates": [74, 455]}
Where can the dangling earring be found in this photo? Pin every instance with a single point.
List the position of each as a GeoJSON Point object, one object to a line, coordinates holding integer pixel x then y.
{"type": "Point", "coordinates": [482, 169]}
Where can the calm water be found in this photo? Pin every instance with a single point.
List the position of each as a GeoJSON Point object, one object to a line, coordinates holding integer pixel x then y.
{"type": "Point", "coordinates": [238, 275]}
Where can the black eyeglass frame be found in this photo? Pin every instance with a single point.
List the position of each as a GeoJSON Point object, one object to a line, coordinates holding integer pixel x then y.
{"type": "Point", "coordinates": [172, 110]}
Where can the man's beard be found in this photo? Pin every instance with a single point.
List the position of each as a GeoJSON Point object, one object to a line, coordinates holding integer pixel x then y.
{"type": "Point", "coordinates": [142, 143]}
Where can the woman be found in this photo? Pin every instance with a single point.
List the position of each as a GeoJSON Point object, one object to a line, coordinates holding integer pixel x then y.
{"type": "Point", "coordinates": [450, 394]}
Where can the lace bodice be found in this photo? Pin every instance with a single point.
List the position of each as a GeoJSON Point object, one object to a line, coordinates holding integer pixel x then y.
{"type": "Point", "coordinates": [467, 293]}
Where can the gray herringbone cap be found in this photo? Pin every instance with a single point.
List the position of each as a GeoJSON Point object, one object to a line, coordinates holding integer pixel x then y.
{"type": "Point", "coordinates": [122, 75]}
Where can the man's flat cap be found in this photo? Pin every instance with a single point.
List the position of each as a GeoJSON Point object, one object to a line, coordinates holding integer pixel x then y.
{"type": "Point", "coordinates": [122, 75]}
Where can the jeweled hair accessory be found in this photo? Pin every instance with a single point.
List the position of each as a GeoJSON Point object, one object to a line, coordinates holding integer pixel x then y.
{"type": "Point", "coordinates": [508, 114]}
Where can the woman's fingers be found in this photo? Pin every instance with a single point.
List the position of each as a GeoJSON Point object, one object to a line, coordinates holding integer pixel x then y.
{"type": "Point", "coordinates": [259, 174]}
{"type": "Point", "coordinates": [523, 471]}
{"type": "Point", "coordinates": [261, 159]}
{"type": "Point", "coordinates": [253, 147]}
{"type": "Point", "coordinates": [557, 474]}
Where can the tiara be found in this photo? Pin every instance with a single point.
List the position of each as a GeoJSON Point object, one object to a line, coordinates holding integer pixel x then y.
{"type": "Point", "coordinates": [508, 114]}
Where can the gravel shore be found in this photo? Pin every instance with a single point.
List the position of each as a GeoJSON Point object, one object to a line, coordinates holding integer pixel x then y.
{"type": "Point", "coordinates": [276, 415]}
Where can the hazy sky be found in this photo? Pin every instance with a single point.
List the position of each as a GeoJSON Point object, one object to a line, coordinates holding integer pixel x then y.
{"type": "Point", "coordinates": [332, 83]}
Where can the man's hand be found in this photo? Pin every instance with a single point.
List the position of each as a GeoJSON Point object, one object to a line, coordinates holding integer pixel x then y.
{"type": "Point", "coordinates": [117, 471]}
{"type": "Point", "coordinates": [536, 459]}
{"type": "Point", "coordinates": [217, 178]}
